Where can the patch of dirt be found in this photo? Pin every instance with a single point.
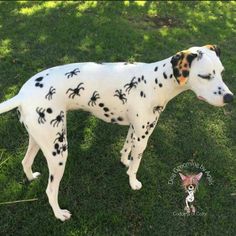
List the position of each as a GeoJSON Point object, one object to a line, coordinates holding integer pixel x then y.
{"type": "Point", "coordinates": [163, 21]}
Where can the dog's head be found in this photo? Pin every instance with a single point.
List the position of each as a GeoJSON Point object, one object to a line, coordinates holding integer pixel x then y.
{"type": "Point", "coordinates": [190, 182]}
{"type": "Point", "coordinates": [200, 69]}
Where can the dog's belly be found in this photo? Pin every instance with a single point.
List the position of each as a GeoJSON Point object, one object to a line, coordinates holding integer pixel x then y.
{"type": "Point", "coordinates": [104, 105]}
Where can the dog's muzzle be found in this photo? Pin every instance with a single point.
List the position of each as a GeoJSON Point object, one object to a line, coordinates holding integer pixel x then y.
{"type": "Point", "coordinates": [228, 98]}
{"type": "Point", "coordinates": [191, 187]}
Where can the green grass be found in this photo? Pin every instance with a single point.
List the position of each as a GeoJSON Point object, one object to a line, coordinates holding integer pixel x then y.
{"type": "Point", "coordinates": [39, 35]}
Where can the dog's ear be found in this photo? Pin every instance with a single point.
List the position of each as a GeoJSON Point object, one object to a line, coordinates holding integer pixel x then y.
{"type": "Point", "coordinates": [198, 176]}
{"type": "Point", "coordinates": [181, 64]}
{"type": "Point", "coordinates": [214, 48]}
{"type": "Point", "coordinates": [183, 177]}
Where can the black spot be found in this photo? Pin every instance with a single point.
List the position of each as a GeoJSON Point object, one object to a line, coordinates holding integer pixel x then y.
{"type": "Point", "coordinates": [105, 109]}
{"type": "Point", "coordinates": [143, 126]}
{"type": "Point", "coordinates": [60, 163]}
{"type": "Point", "coordinates": [176, 72]}
{"type": "Point", "coordinates": [171, 76]}
{"type": "Point", "coordinates": [49, 110]}
{"type": "Point", "coordinates": [148, 123]}
{"type": "Point", "coordinates": [141, 93]}
{"type": "Point", "coordinates": [142, 77]}
{"type": "Point", "coordinates": [164, 65]}
{"type": "Point", "coordinates": [156, 68]}
{"type": "Point", "coordinates": [185, 73]}
{"type": "Point", "coordinates": [139, 80]}
{"type": "Point", "coordinates": [214, 72]}
{"type": "Point", "coordinates": [138, 139]}
{"type": "Point", "coordinates": [137, 115]}
{"type": "Point", "coordinates": [106, 115]}
{"type": "Point", "coordinates": [215, 92]}
{"type": "Point", "coordinates": [112, 113]}
{"type": "Point", "coordinates": [120, 118]}
{"type": "Point", "coordinates": [151, 125]}
{"type": "Point", "coordinates": [131, 135]}
{"type": "Point", "coordinates": [101, 104]}
{"type": "Point", "coordinates": [133, 146]}
{"type": "Point", "coordinates": [156, 81]}
{"type": "Point", "coordinates": [39, 79]}
{"type": "Point", "coordinates": [51, 178]}
{"type": "Point", "coordinates": [37, 84]}
{"type": "Point", "coordinates": [164, 74]}
{"type": "Point", "coordinates": [143, 136]}
{"type": "Point", "coordinates": [54, 153]}
{"type": "Point", "coordinates": [146, 132]}
{"type": "Point", "coordinates": [125, 150]}
{"type": "Point", "coordinates": [219, 88]}
{"type": "Point", "coordinates": [113, 120]}
{"type": "Point", "coordinates": [219, 92]}
{"type": "Point", "coordinates": [56, 146]}
{"type": "Point", "coordinates": [160, 85]}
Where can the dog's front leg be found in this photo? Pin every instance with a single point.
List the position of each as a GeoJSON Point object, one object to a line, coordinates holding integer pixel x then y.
{"type": "Point", "coordinates": [142, 129]}
{"type": "Point", "coordinates": [136, 156]}
{"type": "Point", "coordinates": [187, 208]}
{"type": "Point", "coordinates": [127, 148]}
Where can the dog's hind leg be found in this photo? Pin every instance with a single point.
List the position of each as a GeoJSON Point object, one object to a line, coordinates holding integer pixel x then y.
{"type": "Point", "coordinates": [56, 171]}
{"type": "Point", "coordinates": [127, 148]}
{"type": "Point", "coordinates": [28, 160]}
{"type": "Point", "coordinates": [51, 137]}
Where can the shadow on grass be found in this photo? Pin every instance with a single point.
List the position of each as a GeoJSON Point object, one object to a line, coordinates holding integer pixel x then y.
{"type": "Point", "coordinates": [36, 36]}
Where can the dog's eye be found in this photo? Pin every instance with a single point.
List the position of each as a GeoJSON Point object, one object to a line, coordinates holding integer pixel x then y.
{"type": "Point", "coordinates": [205, 76]}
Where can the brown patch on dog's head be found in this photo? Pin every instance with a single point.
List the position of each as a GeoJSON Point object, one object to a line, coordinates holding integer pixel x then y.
{"type": "Point", "coordinates": [214, 48]}
{"type": "Point", "coordinates": [181, 63]}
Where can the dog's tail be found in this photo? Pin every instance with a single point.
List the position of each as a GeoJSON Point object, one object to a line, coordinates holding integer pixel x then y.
{"type": "Point", "coordinates": [10, 104]}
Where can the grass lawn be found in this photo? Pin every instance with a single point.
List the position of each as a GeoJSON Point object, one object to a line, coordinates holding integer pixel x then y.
{"type": "Point", "coordinates": [38, 35]}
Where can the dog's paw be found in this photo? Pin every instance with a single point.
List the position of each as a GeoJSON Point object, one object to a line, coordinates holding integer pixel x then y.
{"type": "Point", "coordinates": [34, 176]}
{"type": "Point", "coordinates": [63, 214]}
{"type": "Point", "coordinates": [187, 209]}
{"type": "Point", "coordinates": [135, 184]}
{"type": "Point", "coordinates": [193, 209]}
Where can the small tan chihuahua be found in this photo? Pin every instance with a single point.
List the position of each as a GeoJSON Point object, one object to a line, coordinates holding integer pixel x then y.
{"type": "Point", "coordinates": [190, 184]}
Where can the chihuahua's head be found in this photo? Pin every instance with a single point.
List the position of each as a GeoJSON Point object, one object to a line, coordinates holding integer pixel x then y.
{"type": "Point", "coordinates": [190, 182]}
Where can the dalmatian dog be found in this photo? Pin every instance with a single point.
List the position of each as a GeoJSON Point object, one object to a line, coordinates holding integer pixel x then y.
{"type": "Point", "coordinates": [126, 94]}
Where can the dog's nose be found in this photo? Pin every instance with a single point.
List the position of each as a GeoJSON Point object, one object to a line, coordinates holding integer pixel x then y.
{"type": "Point", "coordinates": [228, 98]}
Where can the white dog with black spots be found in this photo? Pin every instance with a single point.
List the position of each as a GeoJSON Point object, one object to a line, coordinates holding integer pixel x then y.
{"type": "Point", "coordinates": [122, 93]}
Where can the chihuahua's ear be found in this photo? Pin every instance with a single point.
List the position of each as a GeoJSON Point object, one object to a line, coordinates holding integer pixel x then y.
{"type": "Point", "coordinates": [183, 177]}
{"type": "Point", "coordinates": [214, 48]}
{"type": "Point", "coordinates": [198, 176]}
{"type": "Point", "coordinates": [181, 64]}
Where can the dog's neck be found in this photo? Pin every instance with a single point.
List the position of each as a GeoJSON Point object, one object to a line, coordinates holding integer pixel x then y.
{"type": "Point", "coordinates": [170, 87]}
